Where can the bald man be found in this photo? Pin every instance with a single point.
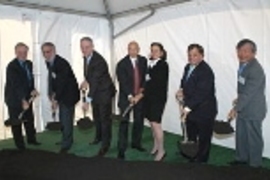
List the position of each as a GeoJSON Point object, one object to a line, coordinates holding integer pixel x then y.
{"type": "Point", "coordinates": [131, 71]}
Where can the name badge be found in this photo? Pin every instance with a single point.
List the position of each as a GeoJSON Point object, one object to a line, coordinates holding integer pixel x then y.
{"type": "Point", "coordinates": [147, 77]}
{"type": "Point", "coordinates": [241, 80]}
{"type": "Point", "coordinates": [53, 75]}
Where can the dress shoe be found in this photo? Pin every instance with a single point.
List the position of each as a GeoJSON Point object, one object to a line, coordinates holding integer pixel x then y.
{"type": "Point", "coordinates": [153, 153]}
{"type": "Point", "coordinates": [121, 155]}
{"type": "Point", "coordinates": [63, 151]}
{"type": "Point", "coordinates": [162, 158]}
{"type": "Point", "coordinates": [95, 142]}
{"type": "Point", "coordinates": [58, 143]}
{"type": "Point", "coordinates": [138, 148]}
{"type": "Point", "coordinates": [237, 163]}
{"type": "Point", "coordinates": [103, 151]}
{"type": "Point", "coordinates": [34, 143]}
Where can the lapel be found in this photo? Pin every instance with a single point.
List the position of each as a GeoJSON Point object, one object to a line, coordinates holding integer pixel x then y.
{"type": "Point", "coordinates": [129, 66]}
{"type": "Point", "coordinates": [91, 63]}
{"type": "Point", "coordinates": [193, 73]}
{"type": "Point", "coordinates": [20, 68]}
{"type": "Point", "coordinates": [248, 66]}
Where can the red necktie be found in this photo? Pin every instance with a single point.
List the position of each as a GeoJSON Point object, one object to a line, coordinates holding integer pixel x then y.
{"type": "Point", "coordinates": [136, 79]}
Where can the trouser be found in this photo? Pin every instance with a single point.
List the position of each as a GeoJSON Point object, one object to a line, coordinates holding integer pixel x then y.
{"type": "Point", "coordinates": [137, 128]}
{"type": "Point", "coordinates": [201, 131]}
{"type": "Point", "coordinates": [103, 122]}
{"type": "Point", "coordinates": [249, 141]}
{"type": "Point", "coordinates": [66, 116]}
{"type": "Point", "coordinates": [28, 125]}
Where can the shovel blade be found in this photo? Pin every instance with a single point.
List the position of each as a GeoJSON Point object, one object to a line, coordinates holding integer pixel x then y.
{"type": "Point", "coordinates": [223, 128]}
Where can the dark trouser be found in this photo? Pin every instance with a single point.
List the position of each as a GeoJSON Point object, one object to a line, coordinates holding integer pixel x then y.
{"type": "Point", "coordinates": [201, 131]}
{"type": "Point", "coordinates": [103, 122]}
{"type": "Point", "coordinates": [66, 116]}
{"type": "Point", "coordinates": [28, 125]}
{"type": "Point", "coordinates": [137, 128]}
{"type": "Point", "coordinates": [249, 141]}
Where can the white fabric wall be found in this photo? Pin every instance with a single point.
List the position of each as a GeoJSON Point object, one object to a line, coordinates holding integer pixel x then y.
{"type": "Point", "coordinates": [216, 24]}
{"type": "Point", "coordinates": [35, 27]}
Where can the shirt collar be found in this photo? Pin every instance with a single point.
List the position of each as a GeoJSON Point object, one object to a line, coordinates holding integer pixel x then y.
{"type": "Point", "coordinates": [51, 61]}
{"type": "Point", "coordinates": [153, 62]}
{"type": "Point", "coordinates": [88, 58]}
{"type": "Point", "coordinates": [21, 61]}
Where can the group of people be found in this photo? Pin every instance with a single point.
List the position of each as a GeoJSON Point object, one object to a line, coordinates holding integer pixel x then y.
{"type": "Point", "coordinates": [143, 84]}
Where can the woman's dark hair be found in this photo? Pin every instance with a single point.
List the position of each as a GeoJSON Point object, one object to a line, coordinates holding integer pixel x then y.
{"type": "Point", "coordinates": [164, 52]}
{"type": "Point", "coordinates": [196, 46]}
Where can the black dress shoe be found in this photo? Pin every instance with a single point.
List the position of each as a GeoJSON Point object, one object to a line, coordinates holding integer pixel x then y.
{"type": "Point", "coordinates": [139, 148]}
{"type": "Point", "coordinates": [237, 163]}
{"type": "Point", "coordinates": [95, 142]}
{"type": "Point", "coordinates": [121, 155]}
{"type": "Point", "coordinates": [58, 143]}
{"type": "Point", "coordinates": [63, 151]}
{"type": "Point", "coordinates": [103, 151]}
{"type": "Point", "coordinates": [34, 143]}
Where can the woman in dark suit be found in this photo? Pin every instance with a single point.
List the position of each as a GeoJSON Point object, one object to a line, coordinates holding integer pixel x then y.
{"type": "Point", "coordinates": [155, 96]}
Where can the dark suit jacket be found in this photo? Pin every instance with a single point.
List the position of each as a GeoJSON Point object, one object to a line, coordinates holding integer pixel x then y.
{"type": "Point", "coordinates": [102, 88]}
{"type": "Point", "coordinates": [64, 82]}
{"type": "Point", "coordinates": [199, 92]}
{"type": "Point", "coordinates": [17, 85]}
{"type": "Point", "coordinates": [125, 76]}
{"type": "Point", "coordinates": [157, 87]}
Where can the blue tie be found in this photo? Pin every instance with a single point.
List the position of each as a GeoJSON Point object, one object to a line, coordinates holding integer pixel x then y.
{"type": "Point", "coordinates": [241, 68]}
{"type": "Point", "coordinates": [191, 68]}
{"type": "Point", "coordinates": [29, 77]}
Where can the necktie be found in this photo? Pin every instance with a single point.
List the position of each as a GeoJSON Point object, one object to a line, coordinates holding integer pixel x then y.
{"type": "Point", "coordinates": [241, 68]}
{"type": "Point", "coordinates": [191, 68]}
{"type": "Point", "coordinates": [85, 67]}
{"type": "Point", "coordinates": [136, 80]}
{"type": "Point", "coordinates": [29, 77]}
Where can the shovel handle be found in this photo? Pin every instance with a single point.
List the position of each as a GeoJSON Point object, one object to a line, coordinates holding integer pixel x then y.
{"type": "Point", "coordinates": [127, 110]}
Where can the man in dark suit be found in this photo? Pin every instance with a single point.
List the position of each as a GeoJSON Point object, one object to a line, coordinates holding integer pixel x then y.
{"type": "Point", "coordinates": [101, 91]}
{"type": "Point", "coordinates": [18, 90]}
{"type": "Point", "coordinates": [200, 106]}
{"type": "Point", "coordinates": [63, 92]}
{"type": "Point", "coordinates": [131, 72]}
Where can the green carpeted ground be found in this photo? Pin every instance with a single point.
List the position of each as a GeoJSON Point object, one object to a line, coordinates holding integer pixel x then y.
{"type": "Point", "coordinates": [81, 147]}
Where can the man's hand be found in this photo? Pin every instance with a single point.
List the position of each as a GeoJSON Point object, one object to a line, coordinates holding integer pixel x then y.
{"type": "Point", "coordinates": [234, 102]}
{"type": "Point", "coordinates": [232, 114]}
{"type": "Point", "coordinates": [84, 85]}
{"type": "Point", "coordinates": [54, 105]}
{"type": "Point", "coordinates": [179, 94]}
{"type": "Point", "coordinates": [184, 114]}
{"type": "Point", "coordinates": [137, 98]}
{"type": "Point", "coordinates": [34, 93]}
{"type": "Point", "coordinates": [25, 105]}
{"type": "Point", "coordinates": [85, 106]}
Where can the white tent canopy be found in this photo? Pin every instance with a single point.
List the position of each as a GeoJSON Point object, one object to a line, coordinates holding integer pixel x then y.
{"type": "Point", "coordinates": [216, 24]}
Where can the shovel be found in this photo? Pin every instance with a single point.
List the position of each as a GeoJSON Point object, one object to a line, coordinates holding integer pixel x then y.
{"type": "Point", "coordinates": [20, 120]}
{"type": "Point", "coordinates": [223, 127]}
{"type": "Point", "coordinates": [187, 148]}
{"type": "Point", "coordinates": [85, 122]}
{"type": "Point", "coordinates": [121, 117]}
{"type": "Point", "coordinates": [54, 125]}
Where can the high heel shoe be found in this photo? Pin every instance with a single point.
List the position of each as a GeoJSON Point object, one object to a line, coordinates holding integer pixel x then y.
{"type": "Point", "coordinates": [163, 157]}
{"type": "Point", "coordinates": [154, 153]}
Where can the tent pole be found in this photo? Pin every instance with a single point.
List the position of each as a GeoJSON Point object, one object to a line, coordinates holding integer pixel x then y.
{"type": "Point", "coordinates": [147, 8]}
{"type": "Point", "coordinates": [135, 24]}
{"type": "Point", "coordinates": [51, 8]}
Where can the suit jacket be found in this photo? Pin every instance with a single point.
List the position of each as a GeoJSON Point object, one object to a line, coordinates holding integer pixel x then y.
{"type": "Point", "coordinates": [125, 76]}
{"type": "Point", "coordinates": [64, 83]}
{"type": "Point", "coordinates": [18, 85]}
{"type": "Point", "coordinates": [102, 88]}
{"type": "Point", "coordinates": [156, 87]}
{"type": "Point", "coordinates": [251, 104]}
{"type": "Point", "coordinates": [199, 92]}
